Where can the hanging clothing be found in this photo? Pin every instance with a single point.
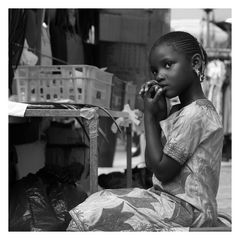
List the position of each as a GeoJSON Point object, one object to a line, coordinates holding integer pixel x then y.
{"type": "Point", "coordinates": [216, 72]}
{"type": "Point", "coordinates": [58, 44]}
{"type": "Point", "coordinates": [193, 136]}
{"type": "Point", "coordinates": [17, 31]}
{"type": "Point", "coordinates": [227, 101]}
{"type": "Point", "coordinates": [227, 111]}
{"type": "Point", "coordinates": [205, 87]}
{"type": "Point", "coordinates": [33, 30]}
{"type": "Point", "coordinates": [46, 58]}
{"type": "Point", "coordinates": [66, 40]}
{"type": "Point", "coordinates": [75, 52]}
{"type": "Point", "coordinates": [27, 57]}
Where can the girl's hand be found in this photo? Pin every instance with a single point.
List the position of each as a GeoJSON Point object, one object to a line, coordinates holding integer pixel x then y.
{"type": "Point", "coordinates": [154, 100]}
{"type": "Point", "coordinates": [146, 86]}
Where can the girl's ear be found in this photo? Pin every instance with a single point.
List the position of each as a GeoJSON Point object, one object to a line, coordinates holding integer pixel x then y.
{"type": "Point", "coordinates": [196, 61]}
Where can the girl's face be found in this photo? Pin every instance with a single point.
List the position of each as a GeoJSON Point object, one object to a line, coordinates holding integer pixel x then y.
{"type": "Point", "coordinates": [171, 69]}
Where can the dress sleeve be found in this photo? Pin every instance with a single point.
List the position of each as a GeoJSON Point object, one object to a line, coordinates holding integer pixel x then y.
{"type": "Point", "coordinates": [184, 136]}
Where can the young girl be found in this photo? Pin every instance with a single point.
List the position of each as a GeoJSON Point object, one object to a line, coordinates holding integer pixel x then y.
{"type": "Point", "coordinates": [183, 149]}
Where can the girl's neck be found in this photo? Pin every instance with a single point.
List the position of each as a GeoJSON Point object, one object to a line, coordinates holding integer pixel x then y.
{"type": "Point", "coordinates": [191, 94]}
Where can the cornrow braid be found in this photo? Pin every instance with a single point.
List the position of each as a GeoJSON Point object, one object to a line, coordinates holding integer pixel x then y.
{"type": "Point", "coordinates": [185, 43]}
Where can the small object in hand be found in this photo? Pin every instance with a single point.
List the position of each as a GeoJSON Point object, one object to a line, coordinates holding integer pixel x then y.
{"type": "Point", "coordinates": [153, 89]}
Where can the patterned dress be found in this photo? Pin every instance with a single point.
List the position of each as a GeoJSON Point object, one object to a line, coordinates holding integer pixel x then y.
{"type": "Point", "coordinates": [193, 136]}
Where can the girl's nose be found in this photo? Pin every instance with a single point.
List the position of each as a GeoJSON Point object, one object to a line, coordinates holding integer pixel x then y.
{"type": "Point", "coordinates": [160, 77]}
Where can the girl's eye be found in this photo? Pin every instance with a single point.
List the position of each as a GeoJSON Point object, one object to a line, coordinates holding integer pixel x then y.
{"type": "Point", "coordinates": [154, 72]}
{"type": "Point", "coordinates": [167, 65]}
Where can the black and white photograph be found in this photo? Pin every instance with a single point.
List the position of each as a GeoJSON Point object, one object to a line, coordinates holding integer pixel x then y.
{"type": "Point", "coordinates": [119, 119]}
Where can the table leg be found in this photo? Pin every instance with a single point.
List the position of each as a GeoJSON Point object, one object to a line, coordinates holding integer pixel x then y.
{"type": "Point", "coordinates": [129, 155]}
{"type": "Point", "coordinates": [93, 134]}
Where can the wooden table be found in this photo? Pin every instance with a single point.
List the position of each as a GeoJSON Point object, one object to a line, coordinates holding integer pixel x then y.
{"type": "Point", "coordinates": [91, 117]}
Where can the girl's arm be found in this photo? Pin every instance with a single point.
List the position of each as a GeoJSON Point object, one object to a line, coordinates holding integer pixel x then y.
{"type": "Point", "coordinates": [164, 167]}
{"type": "Point", "coordinates": [155, 109]}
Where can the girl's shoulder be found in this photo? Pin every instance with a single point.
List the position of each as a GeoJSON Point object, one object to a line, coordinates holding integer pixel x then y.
{"type": "Point", "coordinates": [201, 111]}
{"type": "Point", "coordinates": [199, 117]}
{"type": "Point", "coordinates": [205, 104]}
{"type": "Point", "coordinates": [197, 106]}
{"type": "Point", "coordinates": [200, 108]}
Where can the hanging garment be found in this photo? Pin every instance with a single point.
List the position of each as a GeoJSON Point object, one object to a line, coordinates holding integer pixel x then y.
{"type": "Point", "coordinates": [17, 32]}
{"type": "Point", "coordinates": [227, 111]}
{"type": "Point", "coordinates": [46, 57]}
{"type": "Point", "coordinates": [33, 30]}
{"type": "Point", "coordinates": [216, 71]}
{"type": "Point", "coordinates": [58, 44]}
{"type": "Point", "coordinates": [75, 52]}
{"type": "Point", "coordinates": [27, 57]}
{"type": "Point", "coordinates": [227, 101]}
{"type": "Point", "coordinates": [205, 87]}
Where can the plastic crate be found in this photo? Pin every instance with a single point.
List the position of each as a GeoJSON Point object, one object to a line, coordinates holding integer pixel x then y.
{"type": "Point", "coordinates": [117, 96]}
{"type": "Point", "coordinates": [84, 84]}
{"type": "Point", "coordinates": [130, 94]}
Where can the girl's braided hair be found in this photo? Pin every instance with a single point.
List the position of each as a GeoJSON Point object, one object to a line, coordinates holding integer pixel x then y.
{"type": "Point", "coordinates": [185, 43]}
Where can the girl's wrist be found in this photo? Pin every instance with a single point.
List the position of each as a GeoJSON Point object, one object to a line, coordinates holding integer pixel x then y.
{"type": "Point", "coordinates": [151, 116]}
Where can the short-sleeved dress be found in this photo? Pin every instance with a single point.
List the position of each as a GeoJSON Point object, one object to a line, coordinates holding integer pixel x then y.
{"type": "Point", "coordinates": [193, 136]}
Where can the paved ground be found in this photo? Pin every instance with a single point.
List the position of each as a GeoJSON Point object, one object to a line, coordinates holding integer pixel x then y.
{"type": "Point", "coordinates": [224, 196]}
{"type": "Point", "coordinates": [224, 193]}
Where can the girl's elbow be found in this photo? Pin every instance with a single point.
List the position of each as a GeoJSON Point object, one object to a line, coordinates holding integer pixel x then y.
{"type": "Point", "coordinates": [163, 177]}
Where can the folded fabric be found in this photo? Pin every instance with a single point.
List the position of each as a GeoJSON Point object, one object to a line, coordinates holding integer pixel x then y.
{"type": "Point", "coordinates": [16, 109]}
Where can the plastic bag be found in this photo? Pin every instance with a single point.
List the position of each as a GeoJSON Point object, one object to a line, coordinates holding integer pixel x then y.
{"type": "Point", "coordinates": [41, 201]}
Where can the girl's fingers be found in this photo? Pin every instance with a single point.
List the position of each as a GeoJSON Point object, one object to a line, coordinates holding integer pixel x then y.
{"type": "Point", "coordinates": [152, 91]}
{"type": "Point", "coordinates": [141, 92]}
{"type": "Point", "coordinates": [158, 94]}
{"type": "Point", "coordinates": [147, 94]}
{"type": "Point", "coordinates": [146, 86]}
{"type": "Point", "coordinates": [151, 83]}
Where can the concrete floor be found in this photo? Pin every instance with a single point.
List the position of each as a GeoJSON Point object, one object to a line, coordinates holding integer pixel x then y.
{"type": "Point", "coordinates": [225, 186]}
{"type": "Point", "coordinates": [224, 196]}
